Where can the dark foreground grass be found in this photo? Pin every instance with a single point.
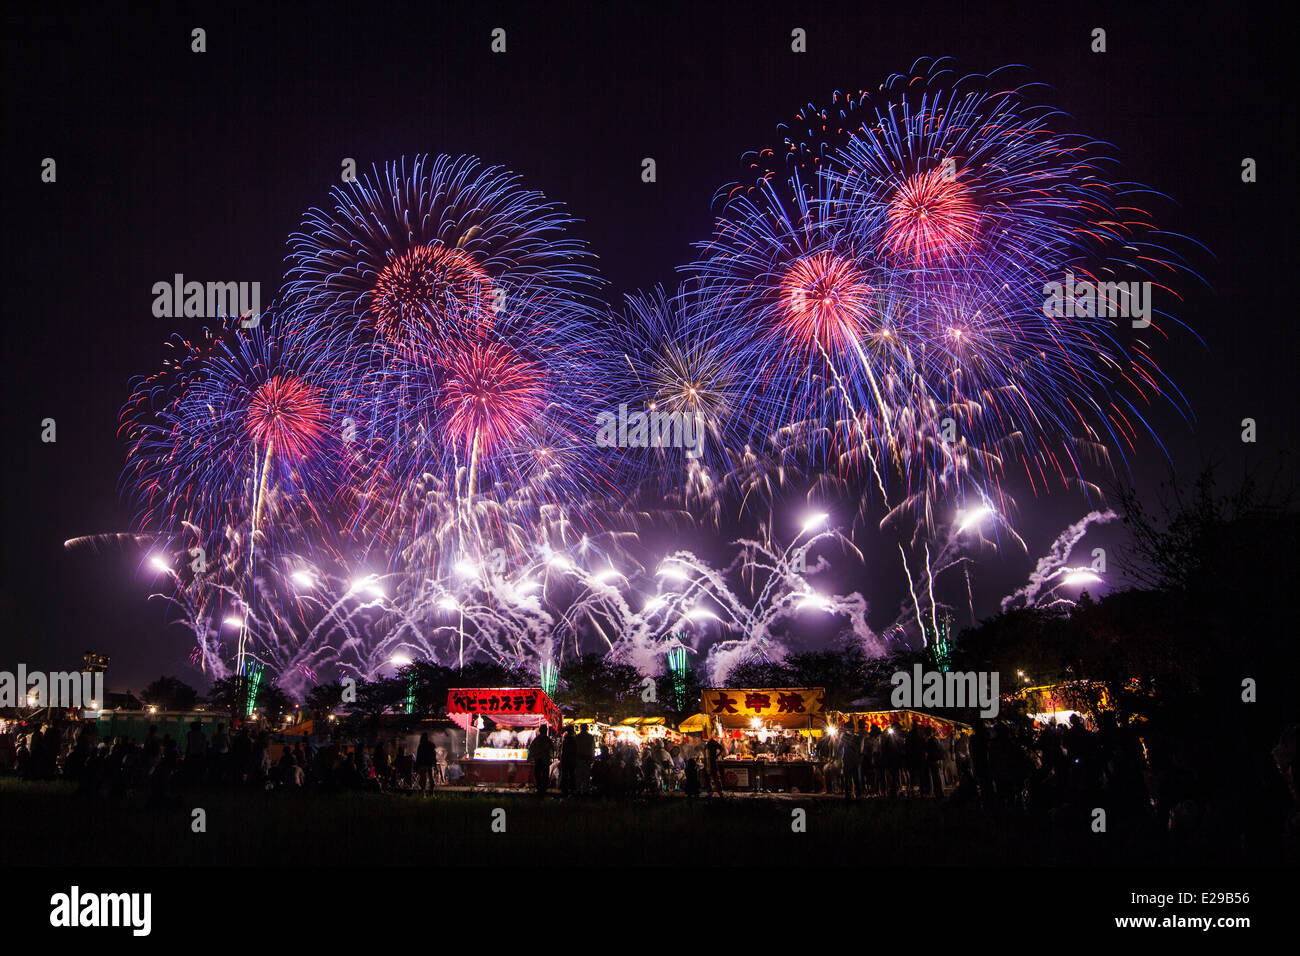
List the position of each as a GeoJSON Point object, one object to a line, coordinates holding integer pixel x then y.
{"type": "Point", "coordinates": [46, 824]}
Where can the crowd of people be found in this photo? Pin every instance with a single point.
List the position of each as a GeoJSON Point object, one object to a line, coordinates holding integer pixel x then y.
{"type": "Point", "coordinates": [247, 758]}
{"type": "Point", "coordinates": [998, 765]}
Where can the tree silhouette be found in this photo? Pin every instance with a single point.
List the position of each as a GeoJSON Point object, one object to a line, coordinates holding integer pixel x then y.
{"type": "Point", "coordinates": [170, 693]}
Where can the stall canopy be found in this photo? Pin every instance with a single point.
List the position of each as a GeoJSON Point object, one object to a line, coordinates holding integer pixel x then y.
{"type": "Point", "coordinates": [650, 726]}
{"type": "Point", "coordinates": [903, 719]}
{"type": "Point", "coordinates": [1059, 702]}
{"type": "Point", "coordinates": [507, 706]}
{"type": "Point", "coordinates": [792, 708]}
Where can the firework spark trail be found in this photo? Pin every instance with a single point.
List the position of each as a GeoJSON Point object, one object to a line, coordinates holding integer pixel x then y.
{"type": "Point", "coordinates": [867, 317]}
{"type": "Point", "coordinates": [1053, 562]}
{"type": "Point", "coordinates": [239, 416]}
{"type": "Point", "coordinates": [679, 363]}
{"type": "Point", "coordinates": [784, 592]}
{"type": "Point", "coordinates": [925, 220]}
{"type": "Point", "coordinates": [428, 249]}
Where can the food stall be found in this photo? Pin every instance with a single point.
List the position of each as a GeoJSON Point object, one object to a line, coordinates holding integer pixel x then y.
{"type": "Point", "coordinates": [1048, 703]}
{"type": "Point", "coordinates": [597, 728]}
{"type": "Point", "coordinates": [769, 734]}
{"type": "Point", "coordinates": [648, 729]}
{"type": "Point", "coordinates": [518, 709]}
{"type": "Point", "coordinates": [902, 720]}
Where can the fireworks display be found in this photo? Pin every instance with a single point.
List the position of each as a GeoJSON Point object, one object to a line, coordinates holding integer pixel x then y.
{"type": "Point", "coordinates": [401, 459]}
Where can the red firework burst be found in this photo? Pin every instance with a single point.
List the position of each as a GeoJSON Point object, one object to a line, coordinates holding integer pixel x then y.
{"type": "Point", "coordinates": [490, 394]}
{"type": "Point", "coordinates": [824, 300]}
{"type": "Point", "coordinates": [424, 288]}
{"type": "Point", "coordinates": [288, 415]}
{"type": "Point", "coordinates": [930, 215]}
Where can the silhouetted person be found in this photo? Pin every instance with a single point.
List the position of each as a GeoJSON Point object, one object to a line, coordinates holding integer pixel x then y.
{"type": "Point", "coordinates": [918, 773]}
{"type": "Point", "coordinates": [196, 753]}
{"type": "Point", "coordinates": [539, 752]}
{"type": "Point", "coordinates": [691, 780]}
{"type": "Point", "coordinates": [260, 763]}
{"type": "Point", "coordinates": [383, 766]}
{"type": "Point", "coordinates": [426, 762]}
{"type": "Point", "coordinates": [240, 752]}
{"type": "Point", "coordinates": [403, 767]}
{"type": "Point", "coordinates": [850, 754]}
{"type": "Point", "coordinates": [586, 753]}
{"type": "Point", "coordinates": [568, 761]}
{"type": "Point", "coordinates": [22, 757]}
{"type": "Point", "coordinates": [75, 765]}
{"type": "Point", "coordinates": [152, 749]}
{"type": "Point", "coordinates": [934, 762]}
{"type": "Point", "coordinates": [162, 779]}
{"type": "Point", "coordinates": [1008, 764]}
{"type": "Point", "coordinates": [713, 752]}
{"type": "Point", "coordinates": [980, 766]}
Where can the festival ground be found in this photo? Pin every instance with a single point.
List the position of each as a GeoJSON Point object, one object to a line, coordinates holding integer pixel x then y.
{"type": "Point", "coordinates": [282, 829]}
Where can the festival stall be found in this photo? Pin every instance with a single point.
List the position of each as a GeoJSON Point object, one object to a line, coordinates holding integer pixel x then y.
{"type": "Point", "coordinates": [901, 720]}
{"type": "Point", "coordinates": [1048, 703]}
{"type": "Point", "coordinates": [518, 709]}
{"type": "Point", "coordinates": [769, 735]}
{"type": "Point", "coordinates": [649, 729]}
{"type": "Point", "coordinates": [598, 729]}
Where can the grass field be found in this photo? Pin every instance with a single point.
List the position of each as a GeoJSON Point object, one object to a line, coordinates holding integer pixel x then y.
{"type": "Point", "coordinates": [45, 824]}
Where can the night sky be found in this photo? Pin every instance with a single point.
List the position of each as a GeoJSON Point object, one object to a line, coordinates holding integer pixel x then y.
{"type": "Point", "coordinates": [202, 164]}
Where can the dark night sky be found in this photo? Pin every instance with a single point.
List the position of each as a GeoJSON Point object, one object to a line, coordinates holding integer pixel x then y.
{"type": "Point", "coordinates": [171, 162]}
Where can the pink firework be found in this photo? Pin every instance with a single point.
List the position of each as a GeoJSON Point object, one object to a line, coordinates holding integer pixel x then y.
{"type": "Point", "coordinates": [824, 300]}
{"type": "Point", "coordinates": [931, 215]}
{"type": "Point", "coordinates": [490, 394]}
{"type": "Point", "coordinates": [428, 290]}
{"type": "Point", "coordinates": [287, 416]}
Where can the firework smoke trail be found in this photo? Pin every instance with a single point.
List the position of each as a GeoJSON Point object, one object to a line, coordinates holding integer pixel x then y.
{"type": "Point", "coordinates": [868, 314]}
{"type": "Point", "coordinates": [958, 537]}
{"type": "Point", "coordinates": [516, 610]}
{"type": "Point", "coordinates": [234, 446]}
{"type": "Point", "coordinates": [1052, 564]}
{"type": "Point", "coordinates": [780, 588]}
{"type": "Point", "coordinates": [477, 352]}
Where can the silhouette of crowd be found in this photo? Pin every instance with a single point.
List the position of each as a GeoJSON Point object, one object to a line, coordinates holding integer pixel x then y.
{"type": "Point", "coordinates": [1001, 766]}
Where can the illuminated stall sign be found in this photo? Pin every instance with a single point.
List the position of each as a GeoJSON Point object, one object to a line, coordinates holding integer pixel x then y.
{"type": "Point", "coordinates": [509, 706]}
{"type": "Point", "coordinates": [768, 703]}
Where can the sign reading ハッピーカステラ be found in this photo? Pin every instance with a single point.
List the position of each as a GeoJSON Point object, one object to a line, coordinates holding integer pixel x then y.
{"type": "Point", "coordinates": [503, 702]}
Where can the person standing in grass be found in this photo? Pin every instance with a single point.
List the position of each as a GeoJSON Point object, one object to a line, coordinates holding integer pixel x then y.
{"type": "Point", "coordinates": [934, 761]}
{"type": "Point", "coordinates": [713, 751]}
{"type": "Point", "coordinates": [381, 763]}
{"type": "Point", "coordinates": [426, 757]}
{"type": "Point", "coordinates": [539, 752]}
{"type": "Point", "coordinates": [851, 761]}
{"type": "Point", "coordinates": [691, 781]}
{"type": "Point", "coordinates": [568, 761]}
{"type": "Point", "coordinates": [586, 753]}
